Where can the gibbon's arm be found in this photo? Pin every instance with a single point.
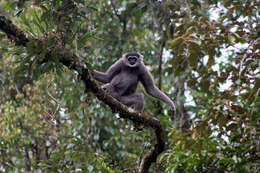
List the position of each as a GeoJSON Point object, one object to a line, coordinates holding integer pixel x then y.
{"type": "Point", "coordinates": [109, 74]}
{"type": "Point", "coordinates": [152, 90]}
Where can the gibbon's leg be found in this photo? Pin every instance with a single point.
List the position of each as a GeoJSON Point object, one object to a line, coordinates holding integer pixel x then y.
{"type": "Point", "coordinates": [136, 99]}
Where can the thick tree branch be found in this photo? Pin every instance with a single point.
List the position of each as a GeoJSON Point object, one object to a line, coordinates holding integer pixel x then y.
{"type": "Point", "coordinates": [68, 59]}
{"type": "Point", "coordinates": [13, 33]}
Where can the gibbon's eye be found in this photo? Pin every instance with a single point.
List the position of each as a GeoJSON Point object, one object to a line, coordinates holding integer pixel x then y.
{"type": "Point", "coordinates": [132, 59]}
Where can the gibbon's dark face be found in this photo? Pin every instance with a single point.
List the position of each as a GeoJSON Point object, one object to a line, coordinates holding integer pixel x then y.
{"type": "Point", "coordinates": [132, 57]}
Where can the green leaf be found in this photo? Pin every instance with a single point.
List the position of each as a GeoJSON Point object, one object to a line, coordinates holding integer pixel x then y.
{"type": "Point", "coordinates": [176, 42]}
{"type": "Point", "coordinates": [27, 23]}
{"type": "Point", "coordinates": [193, 60]}
{"type": "Point", "coordinates": [194, 50]}
{"type": "Point", "coordinates": [231, 39]}
{"type": "Point", "coordinates": [37, 21]}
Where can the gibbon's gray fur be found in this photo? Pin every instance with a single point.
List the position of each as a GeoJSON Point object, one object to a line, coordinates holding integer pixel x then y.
{"type": "Point", "coordinates": [121, 80]}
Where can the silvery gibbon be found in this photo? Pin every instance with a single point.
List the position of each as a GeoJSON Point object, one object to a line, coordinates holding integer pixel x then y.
{"type": "Point", "coordinates": [122, 78]}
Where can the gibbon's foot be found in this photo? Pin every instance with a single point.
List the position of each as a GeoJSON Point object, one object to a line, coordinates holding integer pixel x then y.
{"type": "Point", "coordinates": [138, 127]}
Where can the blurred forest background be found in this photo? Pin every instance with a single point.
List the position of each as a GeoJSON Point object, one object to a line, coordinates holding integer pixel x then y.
{"type": "Point", "coordinates": [204, 54]}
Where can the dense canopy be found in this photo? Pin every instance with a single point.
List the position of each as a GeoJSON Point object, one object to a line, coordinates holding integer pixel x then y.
{"type": "Point", "coordinates": [204, 54]}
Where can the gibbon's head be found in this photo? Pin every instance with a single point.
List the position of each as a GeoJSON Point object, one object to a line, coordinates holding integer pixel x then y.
{"type": "Point", "coordinates": [132, 59]}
